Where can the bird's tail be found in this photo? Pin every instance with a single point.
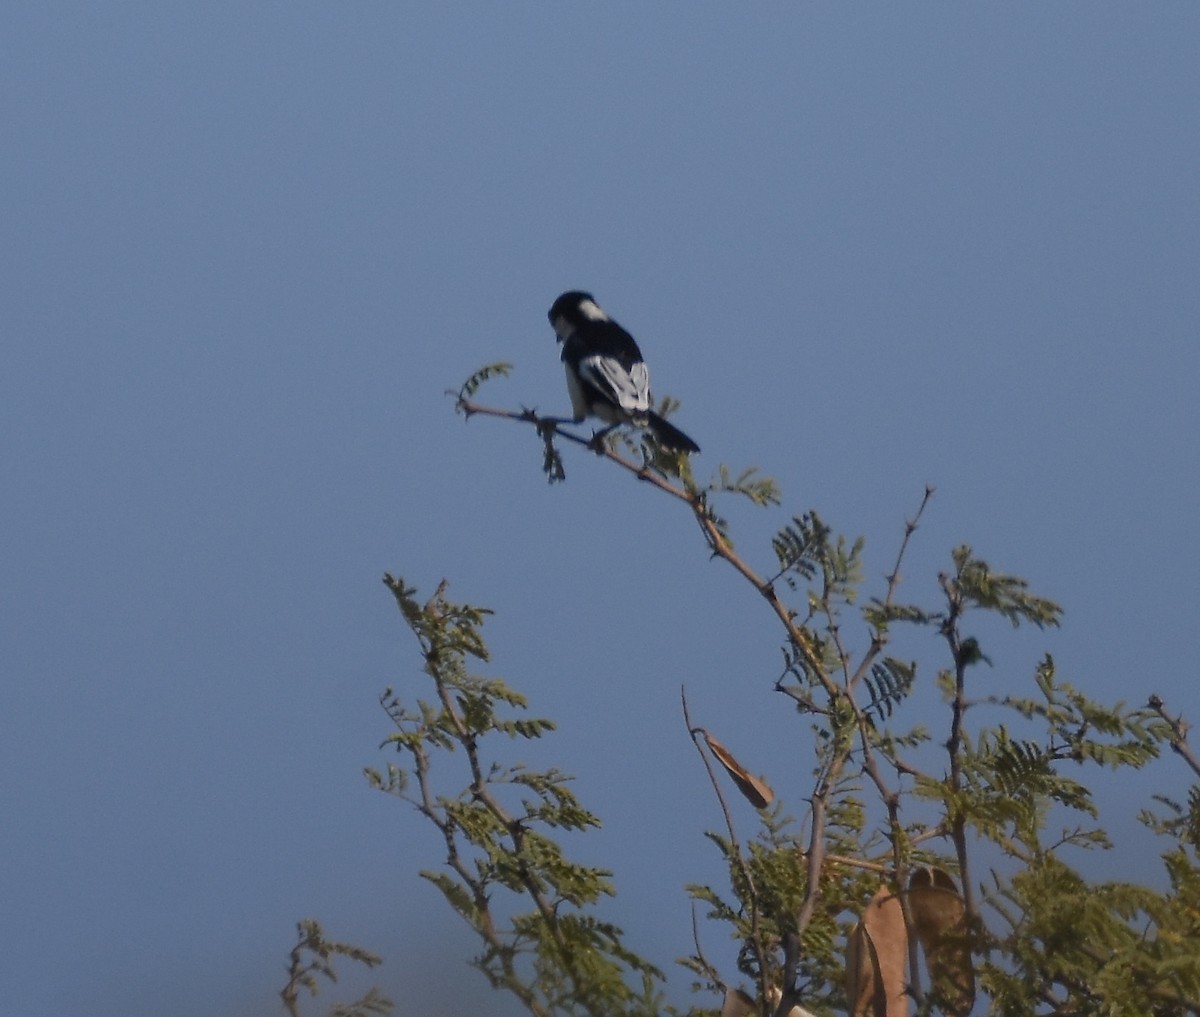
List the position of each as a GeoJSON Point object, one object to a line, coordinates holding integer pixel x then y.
{"type": "Point", "coordinates": [669, 436]}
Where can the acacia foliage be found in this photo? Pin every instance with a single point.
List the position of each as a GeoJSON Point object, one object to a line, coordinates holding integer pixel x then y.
{"type": "Point", "coordinates": [933, 869]}
{"type": "Point", "coordinates": [505, 871]}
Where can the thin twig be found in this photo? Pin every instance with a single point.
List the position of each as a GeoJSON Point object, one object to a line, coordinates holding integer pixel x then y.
{"type": "Point", "coordinates": [735, 847]}
{"type": "Point", "coordinates": [958, 823]}
{"type": "Point", "coordinates": [879, 640]}
{"type": "Point", "coordinates": [1179, 733]}
{"type": "Point", "coordinates": [710, 971]}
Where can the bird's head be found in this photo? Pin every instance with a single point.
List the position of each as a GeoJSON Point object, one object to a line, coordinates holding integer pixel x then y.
{"type": "Point", "coordinates": [571, 310]}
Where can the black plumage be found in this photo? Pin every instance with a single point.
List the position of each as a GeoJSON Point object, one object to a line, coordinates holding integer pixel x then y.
{"type": "Point", "coordinates": [606, 375]}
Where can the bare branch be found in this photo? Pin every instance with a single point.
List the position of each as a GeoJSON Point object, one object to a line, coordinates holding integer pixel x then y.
{"type": "Point", "coordinates": [1179, 733]}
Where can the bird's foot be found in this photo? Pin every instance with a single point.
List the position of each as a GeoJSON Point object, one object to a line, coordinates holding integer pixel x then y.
{"type": "Point", "coordinates": [597, 444]}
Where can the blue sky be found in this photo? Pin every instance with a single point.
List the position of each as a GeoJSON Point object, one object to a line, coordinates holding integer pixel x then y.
{"type": "Point", "coordinates": [245, 250]}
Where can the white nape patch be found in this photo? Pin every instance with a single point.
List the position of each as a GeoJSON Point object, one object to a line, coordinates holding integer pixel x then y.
{"type": "Point", "coordinates": [592, 310]}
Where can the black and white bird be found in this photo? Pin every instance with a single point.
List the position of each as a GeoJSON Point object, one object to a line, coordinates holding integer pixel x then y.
{"type": "Point", "coordinates": [606, 376]}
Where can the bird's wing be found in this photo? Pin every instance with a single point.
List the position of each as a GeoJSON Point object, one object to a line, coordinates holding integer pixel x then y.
{"type": "Point", "coordinates": [608, 339]}
{"type": "Point", "coordinates": [628, 388]}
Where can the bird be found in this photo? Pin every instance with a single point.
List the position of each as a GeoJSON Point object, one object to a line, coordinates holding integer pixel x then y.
{"type": "Point", "coordinates": [606, 376]}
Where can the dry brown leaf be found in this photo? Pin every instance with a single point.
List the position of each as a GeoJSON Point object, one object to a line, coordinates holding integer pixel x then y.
{"type": "Point", "coordinates": [884, 922]}
{"type": "Point", "coordinates": [864, 991]}
{"type": "Point", "coordinates": [939, 919]}
{"type": "Point", "coordinates": [876, 960]}
{"type": "Point", "coordinates": [758, 792]}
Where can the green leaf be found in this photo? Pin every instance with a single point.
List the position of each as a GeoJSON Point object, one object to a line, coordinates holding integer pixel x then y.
{"type": "Point", "coordinates": [1004, 594]}
{"type": "Point", "coordinates": [485, 373]}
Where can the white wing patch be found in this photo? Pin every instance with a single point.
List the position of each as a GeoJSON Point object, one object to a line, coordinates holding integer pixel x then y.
{"type": "Point", "coordinates": [630, 390]}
